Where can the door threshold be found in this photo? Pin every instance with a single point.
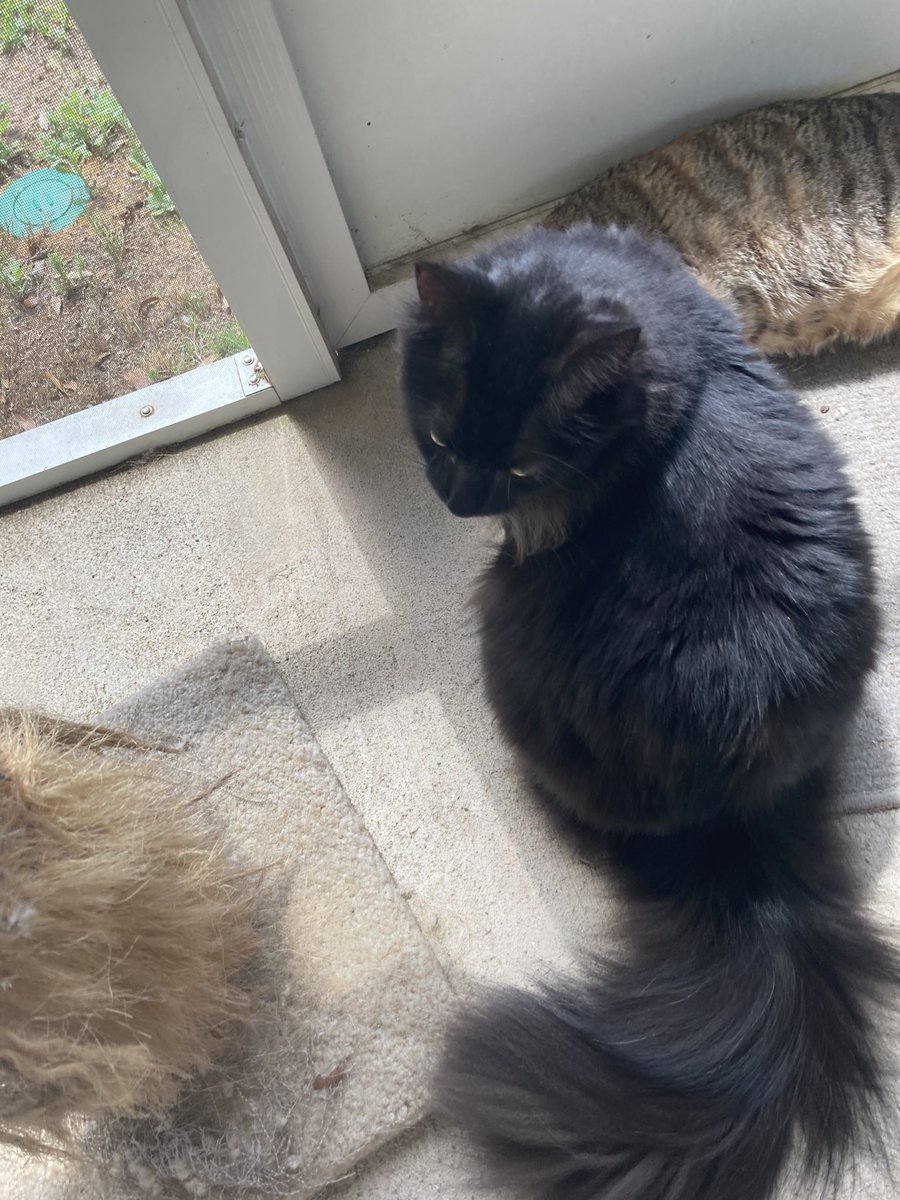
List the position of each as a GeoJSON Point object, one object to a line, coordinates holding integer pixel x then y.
{"type": "Point", "coordinates": [110, 433]}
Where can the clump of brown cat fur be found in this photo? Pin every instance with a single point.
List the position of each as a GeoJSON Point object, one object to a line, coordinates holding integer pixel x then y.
{"type": "Point", "coordinates": [119, 929]}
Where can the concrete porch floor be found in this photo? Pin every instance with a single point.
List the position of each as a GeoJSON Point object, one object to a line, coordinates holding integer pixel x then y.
{"type": "Point", "coordinates": [313, 528]}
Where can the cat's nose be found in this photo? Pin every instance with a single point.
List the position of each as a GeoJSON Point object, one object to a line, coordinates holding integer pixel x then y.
{"type": "Point", "coordinates": [466, 492]}
{"type": "Point", "coordinates": [464, 502]}
{"type": "Point", "coordinates": [476, 495]}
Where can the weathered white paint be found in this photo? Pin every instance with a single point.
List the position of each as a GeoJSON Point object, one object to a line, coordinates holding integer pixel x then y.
{"type": "Point", "coordinates": [442, 114]}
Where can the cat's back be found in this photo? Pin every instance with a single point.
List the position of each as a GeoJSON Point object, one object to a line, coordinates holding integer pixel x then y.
{"type": "Point", "coordinates": [791, 213]}
{"type": "Point", "coordinates": [738, 528]}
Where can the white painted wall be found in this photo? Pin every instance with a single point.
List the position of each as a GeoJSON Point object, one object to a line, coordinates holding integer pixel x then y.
{"type": "Point", "coordinates": [436, 115]}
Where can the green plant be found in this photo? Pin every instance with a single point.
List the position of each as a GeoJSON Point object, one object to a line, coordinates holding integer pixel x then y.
{"type": "Point", "coordinates": [19, 18]}
{"type": "Point", "coordinates": [10, 148]}
{"type": "Point", "coordinates": [196, 309]}
{"type": "Point", "coordinates": [69, 277]}
{"type": "Point", "coordinates": [201, 346]}
{"type": "Point", "coordinates": [218, 342]}
{"type": "Point", "coordinates": [171, 361]}
{"type": "Point", "coordinates": [84, 123]}
{"type": "Point", "coordinates": [111, 241]}
{"type": "Point", "coordinates": [13, 25]}
{"type": "Point", "coordinates": [159, 202]}
{"type": "Point", "coordinates": [81, 124]}
{"type": "Point", "coordinates": [14, 279]}
{"type": "Point", "coordinates": [224, 341]}
{"type": "Point", "coordinates": [52, 22]}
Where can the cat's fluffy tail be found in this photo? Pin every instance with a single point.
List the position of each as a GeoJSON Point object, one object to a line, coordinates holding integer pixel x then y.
{"type": "Point", "coordinates": [738, 1027]}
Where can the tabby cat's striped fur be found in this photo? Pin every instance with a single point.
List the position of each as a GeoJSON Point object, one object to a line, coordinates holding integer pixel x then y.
{"type": "Point", "coordinates": [789, 213]}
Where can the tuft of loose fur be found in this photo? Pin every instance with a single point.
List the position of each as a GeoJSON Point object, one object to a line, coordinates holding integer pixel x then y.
{"type": "Point", "coordinates": [789, 213]}
{"type": "Point", "coordinates": [118, 932]}
{"type": "Point", "coordinates": [676, 633]}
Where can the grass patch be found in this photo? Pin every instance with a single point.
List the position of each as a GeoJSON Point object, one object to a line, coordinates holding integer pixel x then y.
{"type": "Point", "coordinates": [112, 241]}
{"type": "Point", "coordinates": [14, 279]}
{"type": "Point", "coordinates": [159, 202]}
{"type": "Point", "coordinates": [83, 123]}
{"type": "Point", "coordinates": [19, 18]}
{"type": "Point", "coordinates": [11, 148]}
{"type": "Point", "coordinates": [166, 364]}
{"type": "Point", "coordinates": [225, 341]}
{"type": "Point", "coordinates": [211, 344]}
{"type": "Point", "coordinates": [51, 22]}
{"type": "Point", "coordinates": [68, 278]}
{"type": "Point", "coordinates": [196, 310]}
{"type": "Point", "coordinates": [200, 347]}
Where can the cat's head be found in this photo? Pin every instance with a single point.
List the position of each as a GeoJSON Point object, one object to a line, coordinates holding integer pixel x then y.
{"type": "Point", "coordinates": [520, 375]}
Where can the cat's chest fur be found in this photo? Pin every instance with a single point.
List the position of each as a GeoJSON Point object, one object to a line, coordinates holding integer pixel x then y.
{"type": "Point", "coordinates": [576, 616]}
{"type": "Point", "coordinates": [573, 646]}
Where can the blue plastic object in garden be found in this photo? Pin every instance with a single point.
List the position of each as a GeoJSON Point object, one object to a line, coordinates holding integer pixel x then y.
{"type": "Point", "coordinates": [43, 199]}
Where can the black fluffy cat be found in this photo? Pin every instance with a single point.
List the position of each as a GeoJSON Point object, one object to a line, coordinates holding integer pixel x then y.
{"type": "Point", "coordinates": [676, 632]}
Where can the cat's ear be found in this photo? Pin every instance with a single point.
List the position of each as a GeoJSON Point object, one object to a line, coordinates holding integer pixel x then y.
{"type": "Point", "coordinates": [443, 293]}
{"type": "Point", "coordinates": [595, 358]}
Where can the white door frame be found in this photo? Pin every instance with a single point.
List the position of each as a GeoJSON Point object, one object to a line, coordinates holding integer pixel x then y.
{"type": "Point", "coordinates": [148, 55]}
{"type": "Point", "coordinates": [242, 45]}
{"type": "Point", "coordinates": [245, 53]}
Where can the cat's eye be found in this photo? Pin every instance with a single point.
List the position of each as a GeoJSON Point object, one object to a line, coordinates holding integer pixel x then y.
{"type": "Point", "coordinates": [437, 441]}
{"type": "Point", "coordinates": [519, 472]}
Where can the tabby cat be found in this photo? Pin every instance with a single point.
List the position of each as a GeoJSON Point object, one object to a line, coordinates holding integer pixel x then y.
{"type": "Point", "coordinates": [790, 213]}
{"type": "Point", "coordinates": [676, 631]}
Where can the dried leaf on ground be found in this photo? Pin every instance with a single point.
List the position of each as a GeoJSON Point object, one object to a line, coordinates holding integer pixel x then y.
{"type": "Point", "coordinates": [136, 379]}
{"type": "Point", "coordinates": [101, 358]}
{"type": "Point", "coordinates": [30, 302]}
{"type": "Point", "coordinates": [146, 304]}
{"type": "Point", "coordinates": [24, 421]}
{"type": "Point", "coordinates": [56, 304]}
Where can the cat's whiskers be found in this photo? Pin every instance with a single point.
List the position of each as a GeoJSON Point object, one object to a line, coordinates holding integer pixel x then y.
{"type": "Point", "coordinates": [562, 462]}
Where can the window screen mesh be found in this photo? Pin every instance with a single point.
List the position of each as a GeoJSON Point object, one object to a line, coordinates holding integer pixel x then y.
{"type": "Point", "coordinates": [102, 289]}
